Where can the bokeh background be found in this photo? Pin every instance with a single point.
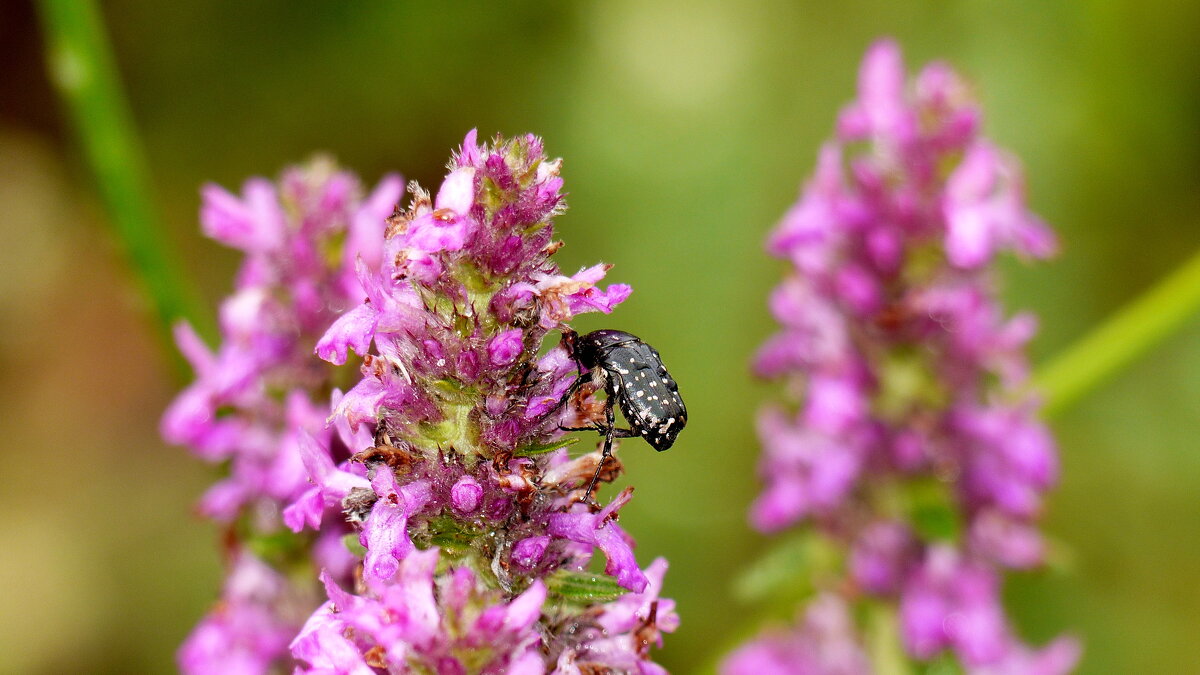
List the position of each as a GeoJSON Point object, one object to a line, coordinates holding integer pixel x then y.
{"type": "Point", "coordinates": [687, 128]}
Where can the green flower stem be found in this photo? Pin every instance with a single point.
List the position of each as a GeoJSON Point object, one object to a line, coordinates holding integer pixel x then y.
{"type": "Point", "coordinates": [1116, 343]}
{"type": "Point", "coordinates": [883, 641]}
{"type": "Point", "coordinates": [82, 69]}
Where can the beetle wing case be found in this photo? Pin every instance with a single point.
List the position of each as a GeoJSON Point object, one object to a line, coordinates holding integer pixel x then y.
{"type": "Point", "coordinates": [647, 394]}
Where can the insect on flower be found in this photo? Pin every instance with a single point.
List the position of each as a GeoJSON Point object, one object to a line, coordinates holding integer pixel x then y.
{"type": "Point", "coordinates": [635, 379]}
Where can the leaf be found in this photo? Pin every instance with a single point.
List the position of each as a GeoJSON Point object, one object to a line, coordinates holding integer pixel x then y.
{"type": "Point", "coordinates": [276, 547]}
{"type": "Point", "coordinates": [584, 588]}
{"type": "Point", "coordinates": [454, 537]}
{"type": "Point", "coordinates": [789, 570]}
{"type": "Point", "coordinates": [933, 511]}
{"type": "Point", "coordinates": [542, 448]}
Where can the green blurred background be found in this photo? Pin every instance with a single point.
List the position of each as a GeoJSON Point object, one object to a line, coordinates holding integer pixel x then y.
{"type": "Point", "coordinates": [687, 128]}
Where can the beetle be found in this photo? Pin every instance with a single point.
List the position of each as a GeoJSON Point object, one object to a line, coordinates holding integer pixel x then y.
{"type": "Point", "coordinates": [635, 379]}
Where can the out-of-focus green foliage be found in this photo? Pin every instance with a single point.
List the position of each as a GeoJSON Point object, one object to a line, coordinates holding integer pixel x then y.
{"type": "Point", "coordinates": [687, 129]}
{"type": "Point", "coordinates": [80, 67]}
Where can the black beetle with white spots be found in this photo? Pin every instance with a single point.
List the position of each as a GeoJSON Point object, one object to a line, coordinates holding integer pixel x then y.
{"type": "Point", "coordinates": [635, 379]}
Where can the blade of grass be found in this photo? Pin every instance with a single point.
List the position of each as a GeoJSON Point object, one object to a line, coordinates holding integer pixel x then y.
{"type": "Point", "coordinates": [82, 69]}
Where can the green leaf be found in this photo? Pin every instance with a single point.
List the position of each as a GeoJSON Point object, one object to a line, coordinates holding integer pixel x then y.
{"type": "Point", "coordinates": [542, 448]}
{"type": "Point", "coordinates": [454, 391]}
{"type": "Point", "coordinates": [584, 588]}
{"type": "Point", "coordinates": [934, 511]}
{"type": "Point", "coordinates": [276, 547]}
{"type": "Point", "coordinates": [788, 570]}
{"type": "Point", "coordinates": [943, 665]}
{"type": "Point", "coordinates": [452, 535]}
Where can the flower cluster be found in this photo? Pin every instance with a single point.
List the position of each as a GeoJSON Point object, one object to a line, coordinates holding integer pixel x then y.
{"type": "Point", "coordinates": [470, 514]}
{"type": "Point", "coordinates": [910, 443]}
{"type": "Point", "coordinates": [261, 394]}
{"type": "Point", "coordinates": [450, 528]}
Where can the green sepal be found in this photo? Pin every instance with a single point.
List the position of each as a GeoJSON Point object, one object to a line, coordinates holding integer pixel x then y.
{"type": "Point", "coordinates": [475, 280]}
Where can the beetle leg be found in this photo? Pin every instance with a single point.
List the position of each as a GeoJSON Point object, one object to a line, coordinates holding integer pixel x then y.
{"type": "Point", "coordinates": [594, 427]}
{"type": "Point", "coordinates": [617, 432]}
{"type": "Point", "coordinates": [609, 434]}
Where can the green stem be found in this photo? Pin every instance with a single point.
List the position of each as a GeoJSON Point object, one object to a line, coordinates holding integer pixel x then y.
{"type": "Point", "coordinates": [1129, 333]}
{"type": "Point", "coordinates": [883, 641]}
{"type": "Point", "coordinates": [82, 69]}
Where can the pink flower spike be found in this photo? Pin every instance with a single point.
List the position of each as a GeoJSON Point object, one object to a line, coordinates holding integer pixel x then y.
{"type": "Point", "coordinates": [466, 495]}
{"type": "Point", "coordinates": [528, 552]}
{"type": "Point", "coordinates": [444, 438]}
{"type": "Point", "coordinates": [984, 210]}
{"type": "Point", "coordinates": [903, 376]}
{"type": "Point", "coordinates": [385, 534]}
{"type": "Point", "coordinates": [516, 617]}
